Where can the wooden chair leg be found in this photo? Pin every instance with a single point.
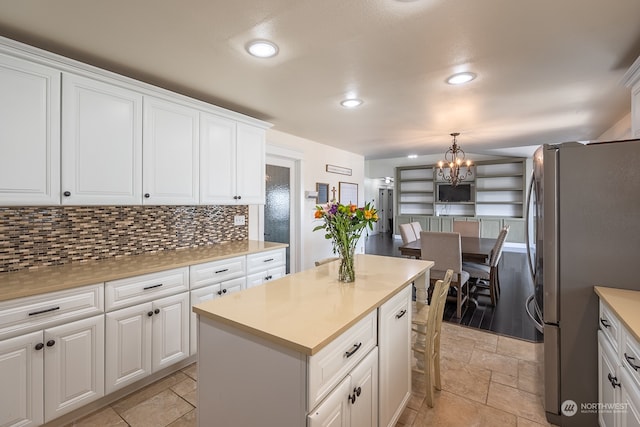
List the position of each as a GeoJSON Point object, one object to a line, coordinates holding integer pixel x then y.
{"type": "Point", "coordinates": [459, 301]}
{"type": "Point", "coordinates": [428, 373]}
{"type": "Point", "coordinates": [436, 366]}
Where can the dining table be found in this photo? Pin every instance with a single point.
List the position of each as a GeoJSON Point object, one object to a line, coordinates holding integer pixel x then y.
{"type": "Point", "coordinates": [474, 249]}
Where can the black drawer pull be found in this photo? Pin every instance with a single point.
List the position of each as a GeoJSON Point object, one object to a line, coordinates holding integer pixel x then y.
{"type": "Point", "coordinates": [156, 311]}
{"type": "Point", "coordinates": [39, 346]}
{"type": "Point", "coordinates": [222, 271]}
{"type": "Point", "coordinates": [356, 347]}
{"type": "Point", "coordinates": [48, 310]}
{"type": "Point", "coordinates": [401, 314]}
{"type": "Point", "coordinates": [150, 313]}
{"type": "Point", "coordinates": [630, 360]}
{"type": "Point", "coordinates": [152, 286]}
{"type": "Point", "coordinates": [51, 343]}
{"type": "Point", "coordinates": [267, 260]}
{"type": "Point", "coordinates": [613, 380]}
{"type": "Point", "coordinates": [605, 323]}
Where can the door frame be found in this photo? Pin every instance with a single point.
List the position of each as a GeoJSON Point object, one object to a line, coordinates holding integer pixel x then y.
{"type": "Point", "coordinates": [279, 156]}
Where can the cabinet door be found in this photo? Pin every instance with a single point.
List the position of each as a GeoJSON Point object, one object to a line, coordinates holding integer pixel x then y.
{"type": "Point", "coordinates": [170, 330]}
{"type": "Point", "coordinates": [101, 143]}
{"type": "Point", "coordinates": [630, 402]}
{"type": "Point", "coordinates": [608, 381]}
{"type": "Point", "coordinates": [74, 365]}
{"type": "Point", "coordinates": [334, 410]}
{"type": "Point", "coordinates": [516, 230]}
{"type": "Point", "coordinates": [250, 164]}
{"type": "Point", "coordinates": [394, 341]}
{"type": "Point", "coordinates": [364, 385]}
{"type": "Point", "coordinates": [490, 227]}
{"type": "Point", "coordinates": [198, 296]}
{"type": "Point", "coordinates": [29, 133]}
{"type": "Point", "coordinates": [170, 153]}
{"type": "Point", "coordinates": [21, 373]}
{"type": "Point", "coordinates": [128, 346]}
{"type": "Point", "coordinates": [217, 160]}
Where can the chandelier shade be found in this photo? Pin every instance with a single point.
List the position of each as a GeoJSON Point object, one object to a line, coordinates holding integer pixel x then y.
{"type": "Point", "coordinates": [454, 168]}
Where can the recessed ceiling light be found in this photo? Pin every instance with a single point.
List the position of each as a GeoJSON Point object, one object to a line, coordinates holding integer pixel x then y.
{"type": "Point", "coordinates": [351, 103]}
{"type": "Point", "coordinates": [262, 48]}
{"type": "Point", "coordinates": [412, 156]}
{"type": "Point", "coordinates": [461, 78]}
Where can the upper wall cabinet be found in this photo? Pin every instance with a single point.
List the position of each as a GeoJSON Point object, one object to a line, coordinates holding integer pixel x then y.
{"type": "Point", "coordinates": [29, 133]}
{"type": "Point", "coordinates": [101, 143]}
{"type": "Point", "coordinates": [231, 162]}
{"type": "Point", "coordinates": [631, 79]}
{"type": "Point", "coordinates": [170, 153]}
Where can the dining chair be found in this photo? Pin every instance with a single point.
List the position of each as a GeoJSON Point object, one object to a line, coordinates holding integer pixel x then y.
{"type": "Point", "coordinates": [486, 275]}
{"type": "Point", "coordinates": [417, 228]}
{"type": "Point", "coordinates": [427, 324]}
{"type": "Point", "coordinates": [326, 260]}
{"type": "Point", "coordinates": [445, 251]}
{"type": "Point", "coordinates": [407, 233]}
{"type": "Point", "coordinates": [467, 228]}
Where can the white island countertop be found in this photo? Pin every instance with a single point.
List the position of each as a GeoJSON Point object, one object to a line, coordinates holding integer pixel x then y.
{"type": "Point", "coordinates": [624, 303]}
{"type": "Point", "coordinates": [307, 310]}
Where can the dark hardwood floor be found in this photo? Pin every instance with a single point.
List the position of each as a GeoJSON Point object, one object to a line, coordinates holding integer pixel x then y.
{"type": "Point", "coordinates": [508, 317]}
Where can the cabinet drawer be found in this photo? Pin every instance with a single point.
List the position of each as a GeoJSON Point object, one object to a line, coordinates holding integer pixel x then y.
{"type": "Point", "coordinates": [630, 352]}
{"type": "Point", "coordinates": [134, 290]}
{"type": "Point", "coordinates": [609, 325]}
{"type": "Point", "coordinates": [330, 365]}
{"type": "Point", "coordinates": [216, 271]}
{"type": "Point", "coordinates": [24, 315]}
{"type": "Point", "coordinates": [265, 260]}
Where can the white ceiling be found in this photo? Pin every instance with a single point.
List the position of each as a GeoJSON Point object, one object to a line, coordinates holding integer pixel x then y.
{"type": "Point", "coordinates": [548, 70]}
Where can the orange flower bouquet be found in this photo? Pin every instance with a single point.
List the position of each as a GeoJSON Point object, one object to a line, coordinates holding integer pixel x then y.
{"type": "Point", "coordinates": [343, 225]}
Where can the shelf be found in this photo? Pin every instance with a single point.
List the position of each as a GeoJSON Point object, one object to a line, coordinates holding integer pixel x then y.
{"type": "Point", "coordinates": [489, 190]}
{"type": "Point", "coordinates": [511, 175]}
{"type": "Point", "coordinates": [455, 203]}
{"type": "Point", "coordinates": [498, 203]}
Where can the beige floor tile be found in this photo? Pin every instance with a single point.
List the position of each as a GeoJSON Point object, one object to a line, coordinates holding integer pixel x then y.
{"type": "Point", "coordinates": [451, 410]}
{"type": "Point", "coordinates": [187, 420]}
{"type": "Point", "coordinates": [519, 349]}
{"type": "Point", "coordinates": [407, 417]}
{"type": "Point", "coordinates": [506, 379]}
{"type": "Point", "coordinates": [480, 339]}
{"type": "Point", "coordinates": [464, 380]}
{"type": "Point", "coordinates": [523, 422]}
{"type": "Point", "coordinates": [187, 390]}
{"type": "Point", "coordinates": [158, 411]}
{"type": "Point", "coordinates": [530, 377]}
{"type": "Point", "coordinates": [106, 417]}
{"type": "Point", "coordinates": [151, 390]}
{"type": "Point", "coordinates": [521, 403]}
{"type": "Point", "coordinates": [192, 371]}
{"type": "Point", "coordinates": [456, 347]}
{"type": "Point", "coordinates": [505, 365]}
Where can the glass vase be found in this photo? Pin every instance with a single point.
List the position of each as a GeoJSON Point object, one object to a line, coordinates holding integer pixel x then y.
{"type": "Point", "coordinates": [346, 272]}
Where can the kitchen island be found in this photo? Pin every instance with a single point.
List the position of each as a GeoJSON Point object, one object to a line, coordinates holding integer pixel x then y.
{"type": "Point", "coordinates": [306, 348]}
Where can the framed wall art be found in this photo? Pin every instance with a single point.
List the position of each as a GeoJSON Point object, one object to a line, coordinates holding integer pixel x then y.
{"type": "Point", "coordinates": [348, 193]}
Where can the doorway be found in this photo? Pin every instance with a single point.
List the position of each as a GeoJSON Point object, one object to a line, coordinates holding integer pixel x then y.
{"type": "Point", "coordinates": [385, 210]}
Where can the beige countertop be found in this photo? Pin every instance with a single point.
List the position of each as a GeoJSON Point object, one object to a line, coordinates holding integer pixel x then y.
{"type": "Point", "coordinates": [307, 310]}
{"type": "Point", "coordinates": [56, 278]}
{"type": "Point", "coordinates": [625, 304]}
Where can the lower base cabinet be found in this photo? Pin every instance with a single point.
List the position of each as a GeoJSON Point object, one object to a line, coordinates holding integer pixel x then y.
{"type": "Point", "coordinates": [48, 373]}
{"type": "Point", "coordinates": [145, 338]}
{"type": "Point", "coordinates": [630, 399]}
{"type": "Point", "coordinates": [354, 402]}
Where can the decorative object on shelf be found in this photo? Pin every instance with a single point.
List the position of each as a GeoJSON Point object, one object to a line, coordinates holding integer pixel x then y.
{"type": "Point", "coordinates": [456, 162]}
{"type": "Point", "coordinates": [343, 225]}
{"type": "Point", "coordinates": [323, 193]}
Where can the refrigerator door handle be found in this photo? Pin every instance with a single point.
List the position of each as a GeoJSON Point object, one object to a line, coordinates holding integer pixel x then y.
{"type": "Point", "coordinates": [526, 227]}
{"type": "Point", "coordinates": [539, 326]}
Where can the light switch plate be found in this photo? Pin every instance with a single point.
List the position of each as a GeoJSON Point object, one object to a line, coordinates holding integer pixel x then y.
{"type": "Point", "coordinates": [238, 220]}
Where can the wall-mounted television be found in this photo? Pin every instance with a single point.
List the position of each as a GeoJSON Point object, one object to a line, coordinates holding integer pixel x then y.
{"type": "Point", "coordinates": [458, 193]}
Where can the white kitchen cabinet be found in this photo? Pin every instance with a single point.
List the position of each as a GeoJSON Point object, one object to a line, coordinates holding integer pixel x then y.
{"type": "Point", "coordinates": [265, 266]}
{"type": "Point", "coordinates": [101, 143]}
{"type": "Point", "coordinates": [29, 133]}
{"type": "Point", "coordinates": [631, 79]}
{"type": "Point", "coordinates": [629, 411]}
{"type": "Point", "coordinates": [353, 402]}
{"type": "Point", "coordinates": [170, 153]}
{"type": "Point", "coordinates": [145, 338]}
{"type": "Point", "coordinates": [608, 381]}
{"type": "Point", "coordinates": [51, 372]}
{"type": "Point", "coordinates": [232, 162]}
{"type": "Point", "coordinates": [394, 331]}
{"type": "Point", "coordinates": [208, 293]}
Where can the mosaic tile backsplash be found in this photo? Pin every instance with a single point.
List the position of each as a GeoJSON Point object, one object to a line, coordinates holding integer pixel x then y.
{"type": "Point", "coordinates": [42, 236]}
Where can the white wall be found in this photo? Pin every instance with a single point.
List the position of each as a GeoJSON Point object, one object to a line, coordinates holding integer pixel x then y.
{"type": "Point", "coordinates": [620, 130]}
{"type": "Point", "coordinates": [313, 161]}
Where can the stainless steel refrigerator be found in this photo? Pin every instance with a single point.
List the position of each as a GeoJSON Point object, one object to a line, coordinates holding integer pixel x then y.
{"type": "Point", "coordinates": [584, 230]}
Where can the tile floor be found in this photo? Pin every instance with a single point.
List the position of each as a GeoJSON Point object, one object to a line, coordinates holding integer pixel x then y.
{"type": "Point", "coordinates": [487, 380]}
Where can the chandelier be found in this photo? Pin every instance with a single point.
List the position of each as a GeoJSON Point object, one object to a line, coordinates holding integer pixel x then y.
{"type": "Point", "coordinates": [458, 168]}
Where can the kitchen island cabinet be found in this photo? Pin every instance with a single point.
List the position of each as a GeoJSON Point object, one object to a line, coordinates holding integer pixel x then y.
{"type": "Point", "coordinates": [286, 348]}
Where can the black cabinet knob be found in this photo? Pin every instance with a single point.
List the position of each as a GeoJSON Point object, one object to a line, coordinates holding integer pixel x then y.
{"type": "Point", "coordinates": [150, 313]}
{"type": "Point", "coordinates": [239, 197]}
{"type": "Point", "coordinates": [51, 343]}
{"type": "Point", "coordinates": [67, 193]}
{"type": "Point", "coordinates": [147, 195]}
{"type": "Point", "coordinates": [224, 291]}
{"type": "Point", "coordinates": [156, 311]}
{"type": "Point", "coordinates": [39, 346]}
